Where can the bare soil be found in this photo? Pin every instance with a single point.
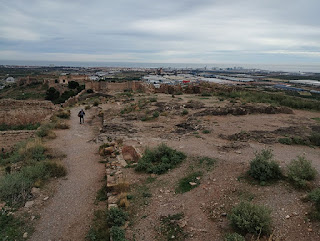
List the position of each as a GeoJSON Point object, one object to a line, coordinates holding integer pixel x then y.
{"type": "Point", "coordinates": [206, 132]}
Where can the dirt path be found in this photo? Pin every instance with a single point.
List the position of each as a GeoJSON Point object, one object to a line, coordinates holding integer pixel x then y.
{"type": "Point", "coordinates": [69, 213]}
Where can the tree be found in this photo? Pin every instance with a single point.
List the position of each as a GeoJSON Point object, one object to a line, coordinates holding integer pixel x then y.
{"type": "Point", "coordinates": [52, 94]}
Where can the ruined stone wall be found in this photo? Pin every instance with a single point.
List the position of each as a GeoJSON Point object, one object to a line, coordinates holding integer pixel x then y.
{"type": "Point", "coordinates": [107, 86]}
{"type": "Point", "coordinates": [21, 112]}
{"type": "Point", "coordinates": [8, 139]}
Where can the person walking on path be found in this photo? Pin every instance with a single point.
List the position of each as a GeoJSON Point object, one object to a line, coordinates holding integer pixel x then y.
{"type": "Point", "coordinates": [81, 114]}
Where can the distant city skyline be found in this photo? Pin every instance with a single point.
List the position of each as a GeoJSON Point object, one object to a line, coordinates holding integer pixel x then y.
{"type": "Point", "coordinates": [142, 31]}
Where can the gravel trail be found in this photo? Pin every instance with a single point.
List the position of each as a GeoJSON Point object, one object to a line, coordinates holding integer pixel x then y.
{"type": "Point", "coordinates": [69, 212]}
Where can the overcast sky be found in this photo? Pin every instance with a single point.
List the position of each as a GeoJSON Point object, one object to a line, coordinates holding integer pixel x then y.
{"type": "Point", "coordinates": [161, 31]}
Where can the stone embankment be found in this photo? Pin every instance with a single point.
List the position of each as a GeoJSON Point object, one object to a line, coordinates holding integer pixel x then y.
{"type": "Point", "coordinates": [10, 138]}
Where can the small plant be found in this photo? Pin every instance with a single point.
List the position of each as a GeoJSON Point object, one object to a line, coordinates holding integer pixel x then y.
{"type": "Point", "coordinates": [285, 140]}
{"type": "Point", "coordinates": [117, 234]}
{"type": "Point", "coordinates": [99, 230]}
{"type": "Point", "coordinates": [189, 182]}
{"type": "Point", "coordinates": [263, 168]}
{"type": "Point", "coordinates": [96, 103]}
{"type": "Point", "coordinates": [300, 171]}
{"type": "Point", "coordinates": [155, 114]}
{"type": "Point", "coordinates": [170, 227]}
{"type": "Point", "coordinates": [153, 99]}
{"type": "Point", "coordinates": [314, 196]}
{"type": "Point", "coordinates": [45, 130]}
{"type": "Point", "coordinates": [62, 125]}
{"type": "Point", "coordinates": [159, 160]}
{"type": "Point", "coordinates": [206, 131]}
{"type": "Point", "coordinates": [185, 112]}
{"type": "Point", "coordinates": [116, 217]}
{"type": "Point", "coordinates": [63, 114]}
{"type": "Point", "coordinates": [234, 237]}
{"type": "Point", "coordinates": [11, 227]}
{"type": "Point", "coordinates": [251, 218]}
{"type": "Point", "coordinates": [205, 94]}
{"type": "Point", "coordinates": [315, 139]}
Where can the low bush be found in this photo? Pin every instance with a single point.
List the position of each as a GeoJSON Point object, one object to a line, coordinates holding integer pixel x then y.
{"type": "Point", "coordinates": [45, 129]}
{"type": "Point", "coordinates": [315, 139]}
{"type": "Point", "coordinates": [117, 234]}
{"type": "Point", "coordinates": [63, 114]}
{"type": "Point", "coordinates": [153, 99]}
{"type": "Point", "coordinates": [263, 168]}
{"type": "Point", "coordinates": [15, 187]}
{"type": "Point", "coordinates": [155, 114]}
{"type": "Point", "coordinates": [11, 227]}
{"type": "Point", "coordinates": [96, 103]}
{"type": "Point", "coordinates": [32, 150]}
{"type": "Point", "coordinates": [4, 127]}
{"type": "Point", "coordinates": [170, 227]}
{"type": "Point", "coordinates": [300, 171]}
{"type": "Point", "coordinates": [61, 125]}
{"type": "Point", "coordinates": [116, 217]}
{"type": "Point", "coordinates": [314, 196]}
{"type": "Point", "coordinates": [234, 237]}
{"type": "Point", "coordinates": [99, 230]}
{"type": "Point", "coordinates": [185, 112]}
{"type": "Point", "coordinates": [159, 160]}
{"type": "Point", "coordinates": [250, 218]}
{"type": "Point", "coordinates": [189, 182]}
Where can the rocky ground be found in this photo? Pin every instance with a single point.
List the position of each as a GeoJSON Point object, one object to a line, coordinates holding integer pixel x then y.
{"type": "Point", "coordinates": [230, 133]}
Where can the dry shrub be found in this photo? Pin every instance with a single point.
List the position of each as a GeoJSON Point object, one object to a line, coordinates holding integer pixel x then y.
{"type": "Point", "coordinates": [33, 149]}
{"type": "Point", "coordinates": [121, 187]}
{"type": "Point", "coordinates": [123, 200]}
{"type": "Point", "coordinates": [62, 125]}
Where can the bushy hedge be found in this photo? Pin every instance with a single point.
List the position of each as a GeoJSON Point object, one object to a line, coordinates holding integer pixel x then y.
{"type": "Point", "coordinates": [300, 171]}
{"type": "Point", "coordinates": [234, 237]}
{"type": "Point", "coordinates": [160, 159]}
{"type": "Point", "coordinates": [116, 217]}
{"type": "Point", "coordinates": [250, 218]}
{"type": "Point", "coordinates": [263, 168]}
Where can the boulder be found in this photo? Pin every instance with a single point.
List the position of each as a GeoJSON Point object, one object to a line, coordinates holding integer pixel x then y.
{"type": "Point", "coordinates": [130, 154]}
{"type": "Point", "coordinates": [108, 150]}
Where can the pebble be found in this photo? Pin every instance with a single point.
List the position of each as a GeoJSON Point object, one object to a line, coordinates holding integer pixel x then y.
{"type": "Point", "coordinates": [46, 198]}
{"type": "Point", "coordinates": [309, 229]}
{"type": "Point", "coordinates": [288, 216]}
{"type": "Point", "coordinates": [25, 235]}
{"type": "Point", "coordinates": [29, 204]}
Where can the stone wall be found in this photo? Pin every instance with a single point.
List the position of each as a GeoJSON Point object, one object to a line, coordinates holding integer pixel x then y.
{"type": "Point", "coordinates": [107, 86]}
{"type": "Point", "coordinates": [21, 112]}
{"type": "Point", "coordinates": [10, 138]}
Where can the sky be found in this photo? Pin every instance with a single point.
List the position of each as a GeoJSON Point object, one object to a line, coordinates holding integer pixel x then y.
{"type": "Point", "coordinates": [161, 31]}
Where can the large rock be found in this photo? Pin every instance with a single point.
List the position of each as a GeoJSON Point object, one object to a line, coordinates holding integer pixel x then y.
{"type": "Point", "coordinates": [130, 154]}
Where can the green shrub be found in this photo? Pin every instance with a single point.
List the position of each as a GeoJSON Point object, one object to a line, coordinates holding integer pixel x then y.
{"type": "Point", "coordinates": [153, 99]}
{"type": "Point", "coordinates": [116, 217]}
{"type": "Point", "coordinates": [155, 114]}
{"type": "Point", "coordinates": [315, 139]}
{"type": "Point", "coordinates": [117, 234]}
{"type": "Point", "coordinates": [234, 237]}
{"type": "Point", "coordinates": [285, 140]}
{"type": "Point", "coordinates": [89, 91]}
{"type": "Point", "coordinates": [96, 103]}
{"type": "Point", "coordinates": [159, 160]}
{"type": "Point", "coordinates": [4, 127]}
{"type": "Point", "coordinates": [11, 227]}
{"type": "Point", "coordinates": [300, 171]}
{"type": "Point", "coordinates": [99, 231]}
{"type": "Point", "coordinates": [44, 130]}
{"type": "Point", "coordinates": [184, 183]}
{"type": "Point", "coordinates": [15, 187]}
{"type": "Point", "coordinates": [170, 227]}
{"type": "Point", "coordinates": [54, 169]}
{"type": "Point", "coordinates": [185, 112]}
{"type": "Point", "coordinates": [251, 218]}
{"type": "Point", "coordinates": [205, 131]}
{"type": "Point", "coordinates": [263, 168]}
{"type": "Point", "coordinates": [314, 196]}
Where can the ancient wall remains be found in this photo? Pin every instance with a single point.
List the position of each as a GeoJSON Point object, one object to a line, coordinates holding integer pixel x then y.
{"type": "Point", "coordinates": [21, 112]}
{"type": "Point", "coordinates": [103, 86]}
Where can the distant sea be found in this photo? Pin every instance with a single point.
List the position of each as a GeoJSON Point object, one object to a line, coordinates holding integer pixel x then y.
{"type": "Point", "coordinates": [315, 68]}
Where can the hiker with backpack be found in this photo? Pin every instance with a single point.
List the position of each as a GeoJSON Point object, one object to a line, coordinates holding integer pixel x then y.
{"type": "Point", "coordinates": [81, 114]}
